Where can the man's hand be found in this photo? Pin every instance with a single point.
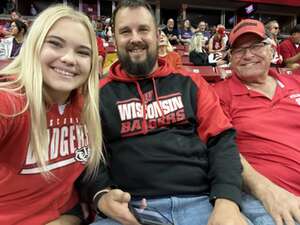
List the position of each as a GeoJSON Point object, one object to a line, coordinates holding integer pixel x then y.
{"type": "Point", "coordinates": [282, 205]}
{"type": "Point", "coordinates": [114, 204]}
{"type": "Point", "coordinates": [226, 212]}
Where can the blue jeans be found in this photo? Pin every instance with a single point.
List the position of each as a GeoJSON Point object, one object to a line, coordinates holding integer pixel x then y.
{"type": "Point", "coordinates": [255, 211]}
{"type": "Point", "coordinates": [179, 210]}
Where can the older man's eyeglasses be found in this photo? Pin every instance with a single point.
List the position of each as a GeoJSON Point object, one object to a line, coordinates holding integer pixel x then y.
{"type": "Point", "coordinates": [255, 48]}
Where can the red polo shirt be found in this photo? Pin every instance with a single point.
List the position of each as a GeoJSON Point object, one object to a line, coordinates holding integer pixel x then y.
{"type": "Point", "coordinates": [268, 131]}
{"type": "Point", "coordinates": [288, 49]}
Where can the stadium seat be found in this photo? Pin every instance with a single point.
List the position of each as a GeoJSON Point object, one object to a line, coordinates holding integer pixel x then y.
{"type": "Point", "coordinates": [208, 72]}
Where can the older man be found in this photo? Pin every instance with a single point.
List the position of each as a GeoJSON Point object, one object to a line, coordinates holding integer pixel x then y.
{"type": "Point", "coordinates": [166, 136]}
{"type": "Point", "coordinates": [264, 107]}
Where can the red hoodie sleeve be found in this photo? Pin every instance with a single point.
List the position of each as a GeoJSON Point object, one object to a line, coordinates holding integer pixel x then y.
{"type": "Point", "coordinates": [223, 91]}
{"type": "Point", "coordinates": [211, 118]}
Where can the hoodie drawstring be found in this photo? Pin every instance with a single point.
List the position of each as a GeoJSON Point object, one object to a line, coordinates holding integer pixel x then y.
{"type": "Point", "coordinates": [144, 104]}
{"type": "Point", "coordinates": [157, 98]}
{"type": "Point", "coordinates": [144, 122]}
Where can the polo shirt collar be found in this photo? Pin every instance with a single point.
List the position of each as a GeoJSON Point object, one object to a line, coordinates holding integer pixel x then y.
{"type": "Point", "coordinates": [238, 88]}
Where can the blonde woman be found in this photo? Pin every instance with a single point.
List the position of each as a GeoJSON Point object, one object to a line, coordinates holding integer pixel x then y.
{"type": "Point", "coordinates": [197, 54]}
{"type": "Point", "coordinates": [167, 52]}
{"type": "Point", "coordinates": [49, 121]}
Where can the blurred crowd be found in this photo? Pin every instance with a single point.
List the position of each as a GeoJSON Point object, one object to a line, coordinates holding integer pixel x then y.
{"type": "Point", "coordinates": [182, 44]}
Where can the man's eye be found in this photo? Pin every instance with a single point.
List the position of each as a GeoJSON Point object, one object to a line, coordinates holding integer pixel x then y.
{"type": "Point", "coordinates": [257, 46]}
{"type": "Point", "coordinates": [124, 32]}
{"type": "Point", "coordinates": [238, 50]}
{"type": "Point", "coordinates": [144, 29]}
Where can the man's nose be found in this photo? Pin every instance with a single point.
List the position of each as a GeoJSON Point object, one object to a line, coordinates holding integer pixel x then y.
{"type": "Point", "coordinates": [248, 52]}
{"type": "Point", "coordinates": [136, 37]}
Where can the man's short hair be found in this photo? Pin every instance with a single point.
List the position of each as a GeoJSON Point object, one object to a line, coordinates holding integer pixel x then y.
{"type": "Point", "coordinates": [296, 29]}
{"type": "Point", "coordinates": [132, 4]}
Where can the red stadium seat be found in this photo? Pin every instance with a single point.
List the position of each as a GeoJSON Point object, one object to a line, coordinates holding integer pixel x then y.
{"type": "Point", "coordinates": [224, 72]}
{"type": "Point", "coordinates": [186, 60]}
{"type": "Point", "coordinates": [179, 47]}
{"type": "Point", "coordinates": [208, 72]}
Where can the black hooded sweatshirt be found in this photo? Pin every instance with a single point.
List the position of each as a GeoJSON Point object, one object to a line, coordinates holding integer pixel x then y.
{"type": "Point", "coordinates": [166, 135]}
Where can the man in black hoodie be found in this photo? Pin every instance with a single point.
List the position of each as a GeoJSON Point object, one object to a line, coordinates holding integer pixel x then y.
{"type": "Point", "coordinates": [167, 140]}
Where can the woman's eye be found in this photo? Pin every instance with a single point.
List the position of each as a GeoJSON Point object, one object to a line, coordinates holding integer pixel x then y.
{"type": "Point", "coordinates": [54, 43]}
{"type": "Point", "coordinates": [84, 53]}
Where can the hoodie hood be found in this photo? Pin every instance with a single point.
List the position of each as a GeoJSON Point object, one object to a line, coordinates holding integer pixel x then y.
{"type": "Point", "coordinates": [117, 73]}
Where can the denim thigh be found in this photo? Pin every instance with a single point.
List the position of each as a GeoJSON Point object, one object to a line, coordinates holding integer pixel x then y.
{"type": "Point", "coordinates": [255, 211]}
{"type": "Point", "coordinates": [192, 210]}
{"type": "Point", "coordinates": [179, 210]}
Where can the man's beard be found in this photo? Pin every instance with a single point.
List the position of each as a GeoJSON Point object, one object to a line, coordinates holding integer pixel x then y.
{"type": "Point", "coordinates": [138, 69]}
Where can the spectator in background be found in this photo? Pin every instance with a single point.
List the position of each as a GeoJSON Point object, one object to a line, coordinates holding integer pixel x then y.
{"type": "Point", "coordinates": [101, 51]}
{"type": "Point", "coordinates": [171, 32]}
{"type": "Point", "coordinates": [218, 42]}
{"type": "Point", "coordinates": [217, 46]}
{"type": "Point", "coordinates": [33, 10]}
{"type": "Point", "coordinates": [12, 45]}
{"type": "Point", "coordinates": [197, 53]}
{"type": "Point", "coordinates": [272, 31]}
{"type": "Point", "coordinates": [264, 108]}
{"type": "Point", "coordinates": [100, 31]}
{"type": "Point", "coordinates": [100, 44]}
{"type": "Point", "coordinates": [14, 15]}
{"type": "Point", "coordinates": [202, 28]}
{"type": "Point", "coordinates": [107, 28]}
{"type": "Point", "coordinates": [167, 53]}
{"type": "Point", "coordinates": [212, 30]}
{"type": "Point", "coordinates": [186, 33]}
{"type": "Point", "coordinates": [290, 49]}
{"type": "Point", "coordinates": [272, 28]}
{"type": "Point", "coordinates": [10, 5]}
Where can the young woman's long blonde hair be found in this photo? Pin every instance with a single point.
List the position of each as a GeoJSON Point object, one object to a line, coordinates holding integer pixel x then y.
{"type": "Point", "coordinates": [169, 46]}
{"type": "Point", "coordinates": [197, 43]}
{"type": "Point", "coordinates": [28, 79]}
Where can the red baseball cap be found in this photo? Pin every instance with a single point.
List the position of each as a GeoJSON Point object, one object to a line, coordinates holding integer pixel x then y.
{"type": "Point", "coordinates": [247, 26]}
